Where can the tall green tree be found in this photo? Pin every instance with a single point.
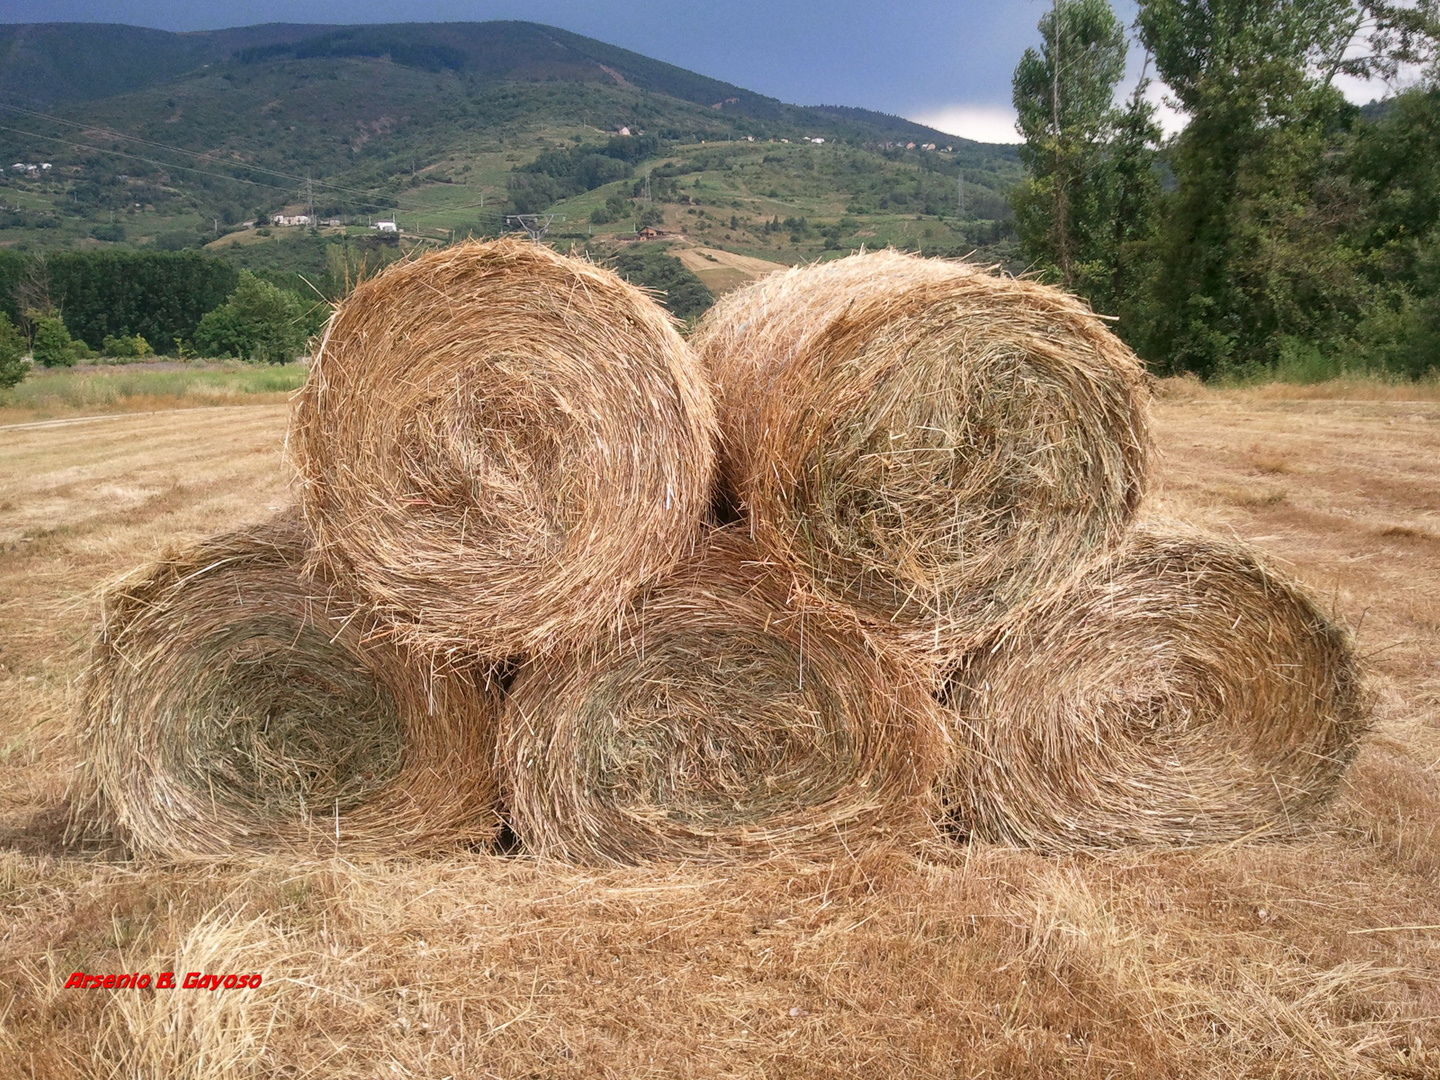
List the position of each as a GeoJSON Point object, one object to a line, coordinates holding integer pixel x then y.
{"type": "Point", "coordinates": [1394, 160]}
{"type": "Point", "coordinates": [259, 321]}
{"type": "Point", "coordinates": [12, 353]}
{"type": "Point", "coordinates": [1064, 97]}
{"type": "Point", "coordinates": [51, 344]}
{"type": "Point", "coordinates": [1118, 280]}
{"type": "Point", "coordinates": [1250, 259]}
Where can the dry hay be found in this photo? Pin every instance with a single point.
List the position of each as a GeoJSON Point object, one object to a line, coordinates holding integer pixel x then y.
{"type": "Point", "coordinates": [499, 444]}
{"type": "Point", "coordinates": [718, 722]}
{"type": "Point", "coordinates": [1183, 693]}
{"type": "Point", "coordinates": [924, 441]}
{"type": "Point", "coordinates": [232, 706]}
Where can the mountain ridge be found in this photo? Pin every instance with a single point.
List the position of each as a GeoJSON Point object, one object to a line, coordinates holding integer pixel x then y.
{"type": "Point", "coordinates": [37, 60]}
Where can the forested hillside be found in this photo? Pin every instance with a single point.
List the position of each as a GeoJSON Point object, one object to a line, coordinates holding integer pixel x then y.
{"type": "Point", "coordinates": [429, 124]}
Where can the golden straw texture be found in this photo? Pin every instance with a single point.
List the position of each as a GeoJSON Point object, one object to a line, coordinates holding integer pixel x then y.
{"type": "Point", "coordinates": [718, 722]}
{"type": "Point", "coordinates": [1182, 693]}
{"type": "Point", "coordinates": [499, 444]}
{"type": "Point", "coordinates": [924, 441]}
{"type": "Point", "coordinates": [233, 705]}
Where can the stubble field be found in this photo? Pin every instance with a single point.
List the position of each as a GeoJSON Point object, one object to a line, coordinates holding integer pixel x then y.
{"type": "Point", "coordinates": [1318, 956]}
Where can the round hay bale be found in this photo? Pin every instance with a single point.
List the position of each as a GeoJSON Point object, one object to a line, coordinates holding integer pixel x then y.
{"type": "Point", "coordinates": [499, 444]}
{"type": "Point", "coordinates": [924, 441]}
{"type": "Point", "coordinates": [718, 722]}
{"type": "Point", "coordinates": [232, 705]}
{"type": "Point", "coordinates": [1180, 694]}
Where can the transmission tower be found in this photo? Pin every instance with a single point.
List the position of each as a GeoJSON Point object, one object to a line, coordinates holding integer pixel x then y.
{"type": "Point", "coordinates": [535, 225]}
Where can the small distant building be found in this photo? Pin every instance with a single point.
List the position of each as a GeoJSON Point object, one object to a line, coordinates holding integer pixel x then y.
{"type": "Point", "coordinates": [291, 219]}
{"type": "Point", "coordinates": [333, 222]}
{"type": "Point", "coordinates": [649, 232]}
{"type": "Point", "coordinates": [817, 142]}
{"type": "Point", "coordinates": [623, 131]}
{"type": "Point", "coordinates": [928, 146]}
{"type": "Point", "coordinates": [386, 226]}
{"type": "Point", "coordinates": [909, 146]}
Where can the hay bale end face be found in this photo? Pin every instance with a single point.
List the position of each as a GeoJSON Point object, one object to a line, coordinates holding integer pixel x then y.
{"type": "Point", "coordinates": [232, 704]}
{"type": "Point", "coordinates": [925, 442]}
{"type": "Point", "coordinates": [1180, 694]}
{"type": "Point", "coordinates": [720, 721]}
{"type": "Point", "coordinates": [499, 444]}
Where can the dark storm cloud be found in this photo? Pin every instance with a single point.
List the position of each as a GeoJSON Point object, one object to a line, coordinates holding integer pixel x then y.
{"type": "Point", "coordinates": [905, 58]}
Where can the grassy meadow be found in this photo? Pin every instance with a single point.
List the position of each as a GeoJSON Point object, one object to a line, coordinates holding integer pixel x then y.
{"type": "Point", "coordinates": [57, 393]}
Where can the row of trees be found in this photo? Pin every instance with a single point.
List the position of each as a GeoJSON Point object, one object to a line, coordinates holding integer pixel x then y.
{"type": "Point", "coordinates": [70, 306]}
{"type": "Point", "coordinates": [1282, 226]}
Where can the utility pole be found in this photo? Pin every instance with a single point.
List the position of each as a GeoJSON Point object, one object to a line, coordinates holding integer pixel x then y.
{"type": "Point", "coordinates": [962, 194]}
{"type": "Point", "coordinates": [309, 199]}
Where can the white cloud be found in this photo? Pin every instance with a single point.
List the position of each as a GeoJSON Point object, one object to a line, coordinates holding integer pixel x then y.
{"type": "Point", "coordinates": [983, 123]}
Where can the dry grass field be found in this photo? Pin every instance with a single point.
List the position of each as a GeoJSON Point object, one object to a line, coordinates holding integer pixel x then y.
{"type": "Point", "coordinates": [1316, 957]}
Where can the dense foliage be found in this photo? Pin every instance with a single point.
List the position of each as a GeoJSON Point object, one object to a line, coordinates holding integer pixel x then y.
{"type": "Point", "coordinates": [680, 290]}
{"type": "Point", "coordinates": [259, 321]}
{"type": "Point", "coordinates": [12, 353]}
{"type": "Point", "coordinates": [558, 174]}
{"type": "Point", "coordinates": [1296, 233]}
{"type": "Point", "coordinates": [159, 295]}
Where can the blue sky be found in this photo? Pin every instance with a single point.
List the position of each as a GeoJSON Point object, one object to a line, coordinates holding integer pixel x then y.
{"type": "Point", "coordinates": [944, 62]}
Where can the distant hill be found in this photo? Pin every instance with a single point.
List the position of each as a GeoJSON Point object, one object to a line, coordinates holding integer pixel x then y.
{"type": "Point", "coordinates": [46, 64]}
{"type": "Point", "coordinates": [167, 139]}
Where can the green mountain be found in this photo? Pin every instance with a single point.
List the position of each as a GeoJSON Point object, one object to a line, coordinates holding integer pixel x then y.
{"type": "Point", "coordinates": [156, 138]}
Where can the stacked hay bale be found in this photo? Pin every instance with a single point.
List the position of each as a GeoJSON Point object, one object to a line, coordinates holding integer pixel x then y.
{"type": "Point", "coordinates": [958, 459]}
{"type": "Point", "coordinates": [933, 604]}
{"type": "Point", "coordinates": [235, 704]}
{"type": "Point", "coordinates": [499, 444]}
{"type": "Point", "coordinates": [1181, 693]}
{"type": "Point", "coordinates": [927, 444]}
{"type": "Point", "coordinates": [721, 721]}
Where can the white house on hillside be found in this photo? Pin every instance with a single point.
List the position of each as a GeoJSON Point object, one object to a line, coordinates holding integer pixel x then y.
{"type": "Point", "coordinates": [386, 226]}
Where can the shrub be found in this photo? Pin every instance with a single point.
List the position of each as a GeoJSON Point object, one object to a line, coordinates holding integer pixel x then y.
{"type": "Point", "coordinates": [51, 345]}
{"type": "Point", "coordinates": [259, 321]}
{"type": "Point", "coordinates": [683, 293]}
{"type": "Point", "coordinates": [124, 347]}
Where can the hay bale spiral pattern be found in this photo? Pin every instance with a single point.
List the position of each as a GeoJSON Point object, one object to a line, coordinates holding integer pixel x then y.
{"type": "Point", "coordinates": [923, 441]}
{"type": "Point", "coordinates": [499, 444]}
{"type": "Point", "coordinates": [1183, 693]}
{"type": "Point", "coordinates": [719, 722]}
{"type": "Point", "coordinates": [232, 704]}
